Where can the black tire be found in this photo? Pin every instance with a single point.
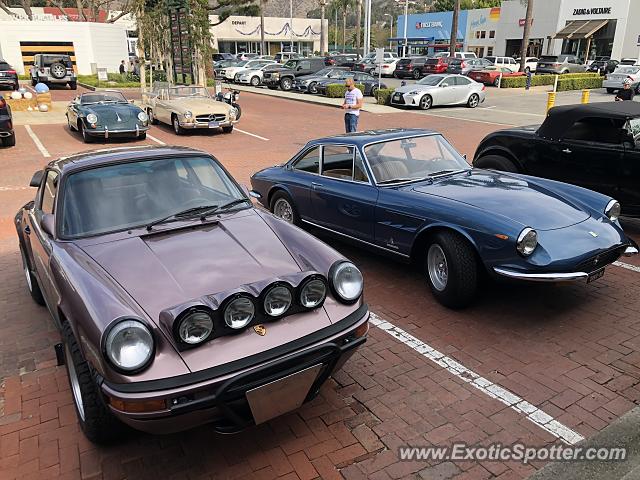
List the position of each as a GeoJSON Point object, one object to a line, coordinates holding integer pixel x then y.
{"type": "Point", "coordinates": [9, 141]}
{"type": "Point", "coordinates": [32, 281]}
{"type": "Point", "coordinates": [152, 119]}
{"type": "Point", "coordinates": [96, 420]}
{"type": "Point", "coordinates": [228, 129]}
{"type": "Point", "coordinates": [57, 70]}
{"type": "Point", "coordinates": [281, 196]}
{"type": "Point", "coordinates": [374, 91]}
{"type": "Point", "coordinates": [460, 284]}
{"type": "Point", "coordinates": [176, 125]}
{"type": "Point", "coordinates": [271, 87]}
{"type": "Point", "coordinates": [73, 85]}
{"type": "Point", "coordinates": [611, 90]}
{"type": "Point", "coordinates": [496, 82]}
{"type": "Point", "coordinates": [474, 100]}
{"type": "Point", "coordinates": [255, 81]}
{"type": "Point", "coordinates": [85, 137]}
{"type": "Point", "coordinates": [142, 136]}
{"type": "Point", "coordinates": [416, 74]}
{"type": "Point", "coordinates": [238, 109]}
{"type": "Point", "coordinates": [425, 102]}
{"type": "Point", "coordinates": [496, 162]}
{"type": "Point", "coordinates": [313, 88]}
{"type": "Point", "coordinates": [285, 84]}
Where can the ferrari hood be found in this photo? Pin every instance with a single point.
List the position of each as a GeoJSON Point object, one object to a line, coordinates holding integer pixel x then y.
{"type": "Point", "coordinates": [512, 197]}
{"type": "Point", "coordinates": [164, 269]}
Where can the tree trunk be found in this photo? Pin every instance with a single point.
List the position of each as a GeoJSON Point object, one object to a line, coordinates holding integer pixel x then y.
{"type": "Point", "coordinates": [525, 35]}
{"type": "Point", "coordinates": [322, 32]}
{"type": "Point", "coordinates": [80, 8]}
{"type": "Point", "coordinates": [139, 45]}
{"type": "Point", "coordinates": [262, 6]}
{"type": "Point", "coordinates": [26, 5]}
{"type": "Point", "coordinates": [358, 24]}
{"type": "Point", "coordinates": [344, 30]}
{"type": "Point", "coordinates": [454, 29]}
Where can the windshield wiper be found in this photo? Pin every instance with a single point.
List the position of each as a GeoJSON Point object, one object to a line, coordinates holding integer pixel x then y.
{"type": "Point", "coordinates": [180, 215]}
{"type": "Point", "coordinates": [396, 180]}
{"type": "Point", "coordinates": [226, 206]}
{"type": "Point", "coordinates": [444, 172]}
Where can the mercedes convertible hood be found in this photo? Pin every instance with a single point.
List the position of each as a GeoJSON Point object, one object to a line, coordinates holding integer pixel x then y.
{"type": "Point", "coordinates": [509, 196]}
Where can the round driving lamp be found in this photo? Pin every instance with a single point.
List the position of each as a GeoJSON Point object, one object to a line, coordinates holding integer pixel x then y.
{"type": "Point", "coordinates": [143, 117]}
{"type": "Point", "coordinates": [313, 293]}
{"type": "Point", "coordinates": [188, 115]}
{"type": "Point", "coordinates": [277, 301]}
{"type": "Point", "coordinates": [527, 241]}
{"type": "Point", "coordinates": [239, 312]}
{"type": "Point", "coordinates": [129, 345]}
{"type": "Point", "coordinates": [92, 118]}
{"type": "Point", "coordinates": [613, 209]}
{"type": "Point", "coordinates": [195, 327]}
{"type": "Point", "coordinates": [347, 281]}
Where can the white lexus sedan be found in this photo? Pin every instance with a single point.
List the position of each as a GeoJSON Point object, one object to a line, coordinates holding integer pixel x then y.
{"type": "Point", "coordinates": [435, 90]}
{"type": "Point", "coordinates": [231, 73]}
{"type": "Point", "coordinates": [253, 76]}
{"type": "Point", "coordinates": [614, 81]}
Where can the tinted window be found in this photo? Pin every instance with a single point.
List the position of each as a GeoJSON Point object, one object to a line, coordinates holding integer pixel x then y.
{"type": "Point", "coordinates": [304, 65]}
{"type": "Point", "coordinates": [49, 192]}
{"type": "Point", "coordinates": [595, 129]}
{"type": "Point", "coordinates": [548, 58]}
{"type": "Point", "coordinates": [405, 61]}
{"type": "Point", "coordinates": [491, 59]}
{"type": "Point", "coordinates": [338, 161]}
{"type": "Point", "coordinates": [48, 60]}
{"type": "Point", "coordinates": [430, 61]}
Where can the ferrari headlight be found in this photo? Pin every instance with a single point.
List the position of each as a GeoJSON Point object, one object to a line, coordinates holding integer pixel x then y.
{"type": "Point", "coordinates": [187, 115]}
{"type": "Point", "coordinates": [129, 345]}
{"type": "Point", "coordinates": [612, 211]}
{"type": "Point", "coordinates": [143, 117]}
{"type": "Point", "coordinates": [195, 327]}
{"type": "Point", "coordinates": [527, 241]}
{"type": "Point", "coordinates": [347, 281]}
{"type": "Point", "coordinates": [92, 118]}
{"type": "Point", "coordinates": [239, 312]}
{"type": "Point", "coordinates": [277, 301]}
{"type": "Point", "coordinates": [313, 293]}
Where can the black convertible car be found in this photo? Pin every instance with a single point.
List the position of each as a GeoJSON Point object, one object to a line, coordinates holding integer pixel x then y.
{"type": "Point", "coordinates": [7, 135]}
{"type": "Point", "coordinates": [596, 146]}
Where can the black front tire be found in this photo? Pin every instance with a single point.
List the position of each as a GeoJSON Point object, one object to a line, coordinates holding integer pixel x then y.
{"type": "Point", "coordinates": [313, 88]}
{"type": "Point", "coordinates": [416, 74]}
{"type": "Point", "coordinates": [285, 84]}
{"type": "Point", "coordinates": [9, 141]}
{"type": "Point", "coordinates": [142, 136]}
{"type": "Point", "coordinates": [86, 138]}
{"type": "Point", "coordinates": [426, 102]}
{"type": "Point", "coordinates": [96, 420]}
{"type": "Point", "coordinates": [228, 129]}
{"type": "Point", "coordinates": [32, 281]}
{"type": "Point", "coordinates": [611, 90]}
{"type": "Point", "coordinates": [461, 265]}
{"type": "Point", "coordinates": [73, 85]}
{"type": "Point", "coordinates": [284, 196]}
{"type": "Point", "coordinates": [255, 81]}
{"type": "Point", "coordinates": [496, 162]}
{"type": "Point", "coordinates": [176, 126]}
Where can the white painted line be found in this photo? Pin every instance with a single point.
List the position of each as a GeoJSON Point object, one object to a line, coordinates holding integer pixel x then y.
{"type": "Point", "coordinates": [159, 142]}
{"type": "Point", "coordinates": [37, 141]}
{"type": "Point", "coordinates": [510, 399]}
{"type": "Point", "coordinates": [11, 188]}
{"type": "Point", "coordinates": [451, 117]}
{"type": "Point", "coordinates": [251, 134]}
{"type": "Point", "coordinates": [628, 266]}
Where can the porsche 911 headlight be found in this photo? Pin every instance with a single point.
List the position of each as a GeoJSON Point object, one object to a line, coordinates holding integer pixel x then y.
{"type": "Point", "coordinates": [239, 312]}
{"type": "Point", "coordinates": [143, 117]}
{"type": "Point", "coordinates": [277, 301]}
{"type": "Point", "coordinates": [347, 281]}
{"type": "Point", "coordinates": [195, 327]}
{"type": "Point", "coordinates": [187, 115]}
{"type": "Point", "coordinates": [613, 209]}
{"type": "Point", "coordinates": [527, 241]}
{"type": "Point", "coordinates": [313, 293]}
{"type": "Point", "coordinates": [92, 118]}
{"type": "Point", "coordinates": [129, 345]}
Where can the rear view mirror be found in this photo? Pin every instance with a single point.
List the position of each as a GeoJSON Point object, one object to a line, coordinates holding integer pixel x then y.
{"type": "Point", "coordinates": [36, 180]}
{"type": "Point", "coordinates": [47, 223]}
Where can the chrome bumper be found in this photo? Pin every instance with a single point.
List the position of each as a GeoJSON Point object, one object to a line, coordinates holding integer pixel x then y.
{"type": "Point", "coordinates": [630, 251]}
{"type": "Point", "coordinates": [542, 277]}
{"type": "Point", "coordinates": [193, 125]}
{"type": "Point", "coordinates": [106, 132]}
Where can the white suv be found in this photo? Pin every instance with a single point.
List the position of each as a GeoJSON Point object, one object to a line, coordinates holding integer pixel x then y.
{"type": "Point", "coordinates": [53, 68]}
{"type": "Point", "coordinates": [506, 62]}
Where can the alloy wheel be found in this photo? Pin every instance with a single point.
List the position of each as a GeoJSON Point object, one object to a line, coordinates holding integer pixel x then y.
{"type": "Point", "coordinates": [473, 100]}
{"type": "Point", "coordinates": [28, 275]}
{"type": "Point", "coordinates": [75, 383]}
{"type": "Point", "coordinates": [282, 209]}
{"type": "Point", "coordinates": [425, 102]}
{"type": "Point", "coordinates": [437, 267]}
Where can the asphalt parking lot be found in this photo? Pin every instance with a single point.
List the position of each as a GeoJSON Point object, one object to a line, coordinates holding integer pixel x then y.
{"type": "Point", "coordinates": [556, 364]}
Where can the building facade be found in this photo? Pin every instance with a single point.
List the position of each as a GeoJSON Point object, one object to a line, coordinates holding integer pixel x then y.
{"type": "Point", "coordinates": [482, 27]}
{"type": "Point", "coordinates": [429, 33]}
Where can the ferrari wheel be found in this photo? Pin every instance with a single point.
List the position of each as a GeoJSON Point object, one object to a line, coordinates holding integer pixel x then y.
{"type": "Point", "coordinates": [282, 207]}
{"type": "Point", "coordinates": [426, 102]}
{"type": "Point", "coordinates": [451, 269]}
{"type": "Point", "coordinates": [496, 162]}
{"type": "Point", "coordinates": [32, 281]}
{"type": "Point", "coordinates": [474, 100]}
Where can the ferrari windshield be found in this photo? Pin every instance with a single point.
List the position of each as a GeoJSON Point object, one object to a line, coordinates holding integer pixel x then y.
{"type": "Point", "coordinates": [102, 97]}
{"type": "Point", "coordinates": [415, 158]}
{"type": "Point", "coordinates": [129, 195]}
{"type": "Point", "coordinates": [431, 80]}
{"type": "Point", "coordinates": [188, 92]}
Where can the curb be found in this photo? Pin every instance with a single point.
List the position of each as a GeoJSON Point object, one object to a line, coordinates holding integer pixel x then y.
{"type": "Point", "coordinates": [87, 86]}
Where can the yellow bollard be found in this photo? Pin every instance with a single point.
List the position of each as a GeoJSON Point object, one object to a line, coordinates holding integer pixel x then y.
{"type": "Point", "coordinates": [585, 95]}
{"type": "Point", "coordinates": [551, 100]}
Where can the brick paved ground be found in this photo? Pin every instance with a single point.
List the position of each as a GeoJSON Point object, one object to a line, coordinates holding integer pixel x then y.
{"type": "Point", "coordinates": [572, 351]}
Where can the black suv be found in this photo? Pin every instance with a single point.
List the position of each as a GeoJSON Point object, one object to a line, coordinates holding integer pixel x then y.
{"type": "Point", "coordinates": [53, 68]}
{"type": "Point", "coordinates": [8, 76]}
{"type": "Point", "coordinates": [284, 76]}
{"type": "Point", "coordinates": [7, 135]}
{"type": "Point", "coordinates": [410, 67]}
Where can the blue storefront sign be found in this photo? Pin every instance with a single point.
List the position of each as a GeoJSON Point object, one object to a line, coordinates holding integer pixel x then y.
{"type": "Point", "coordinates": [430, 29]}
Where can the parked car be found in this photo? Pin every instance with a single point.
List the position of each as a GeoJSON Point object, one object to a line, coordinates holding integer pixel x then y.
{"type": "Point", "coordinates": [491, 75]}
{"type": "Point", "coordinates": [629, 61]}
{"type": "Point", "coordinates": [462, 55]}
{"type": "Point", "coordinates": [8, 76]}
{"type": "Point", "coordinates": [603, 66]}
{"type": "Point", "coordinates": [614, 81]}
{"type": "Point", "coordinates": [233, 73]}
{"type": "Point", "coordinates": [342, 60]}
{"type": "Point", "coordinates": [506, 62]}
{"type": "Point", "coordinates": [530, 64]}
{"type": "Point", "coordinates": [369, 82]}
{"type": "Point", "coordinates": [284, 77]}
{"type": "Point", "coordinates": [386, 55]}
{"type": "Point", "coordinates": [309, 83]}
{"type": "Point", "coordinates": [436, 90]}
{"type": "Point", "coordinates": [462, 66]}
{"type": "Point", "coordinates": [106, 114]}
{"type": "Point", "coordinates": [178, 302]}
{"type": "Point", "coordinates": [53, 69]}
{"type": "Point", "coordinates": [388, 67]}
{"type": "Point", "coordinates": [367, 65]}
{"type": "Point", "coordinates": [254, 76]}
{"type": "Point", "coordinates": [410, 67]}
{"type": "Point", "coordinates": [409, 194]}
{"type": "Point", "coordinates": [595, 146]}
{"type": "Point", "coordinates": [244, 56]}
{"type": "Point", "coordinates": [223, 56]}
{"type": "Point", "coordinates": [559, 64]}
{"type": "Point", "coordinates": [435, 65]}
{"type": "Point", "coordinates": [188, 108]}
{"type": "Point", "coordinates": [220, 67]}
{"type": "Point", "coordinates": [284, 57]}
{"type": "Point", "coordinates": [7, 135]}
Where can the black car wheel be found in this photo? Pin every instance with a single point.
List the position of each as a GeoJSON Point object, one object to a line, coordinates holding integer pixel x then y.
{"type": "Point", "coordinates": [152, 119]}
{"type": "Point", "coordinates": [313, 88]}
{"type": "Point", "coordinates": [374, 91]}
{"type": "Point", "coordinates": [451, 269]}
{"type": "Point", "coordinates": [610, 90]}
{"type": "Point", "coordinates": [416, 74]}
{"type": "Point", "coordinates": [285, 84]}
{"type": "Point", "coordinates": [282, 206]}
{"type": "Point", "coordinates": [255, 81]}
{"type": "Point", "coordinates": [96, 420]}
{"type": "Point", "coordinates": [73, 85]}
{"type": "Point", "coordinates": [425, 102]}
{"type": "Point", "coordinates": [32, 281]}
{"type": "Point", "coordinates": [496, 162]}
{"type": "Point", "coordinates": [474, 101]}
{"type": "Point", "coordinates": [58, 70]}
{"type": "Point", "coordinates": [176, 125]}
{"type": "Point", "coordinates": [86, 138]}
{"type": "Point", "coordinates": [228, 129]}
{"type": "Point", "coordinates": [142, 136]}
{"type": "Point", "coordinates": [496, 82]}
{"type": "Point", "coordinates": [9, 141]}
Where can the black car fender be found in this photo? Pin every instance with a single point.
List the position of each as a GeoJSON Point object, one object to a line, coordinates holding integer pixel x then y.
{"type": "Point", "coordinates": [493, 149]}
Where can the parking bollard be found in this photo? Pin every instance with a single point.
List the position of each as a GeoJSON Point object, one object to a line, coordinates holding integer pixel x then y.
{"type": "Point", "coordinates": [551, 100]}
{"type": "Point", "coordinates": [585, 95]}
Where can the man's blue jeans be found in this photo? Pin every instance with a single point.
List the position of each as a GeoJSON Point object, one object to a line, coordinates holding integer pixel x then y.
{"type": "Point", "coordinates": [351, 122]}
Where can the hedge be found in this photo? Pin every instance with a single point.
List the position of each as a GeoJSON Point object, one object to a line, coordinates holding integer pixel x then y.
{"type": "Point", "coordinates": [115, 80]}
{"type": "Point", "coordinates": [384, 96]}
{"type": "Point", "coordinates": [337, 90]}
{"type": "Point", "coordinates": [565, 84]}
{"type": "Point", "coordinates": [567, 79]}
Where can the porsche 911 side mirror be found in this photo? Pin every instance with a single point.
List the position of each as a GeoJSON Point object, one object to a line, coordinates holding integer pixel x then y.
{"type": "Point", "coordinates": [47, 223]}
{"type": "Point", "coordinates": [36, 180]}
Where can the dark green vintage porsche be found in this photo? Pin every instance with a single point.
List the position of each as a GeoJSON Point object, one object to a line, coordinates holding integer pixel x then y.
{"type": "Point", "coordinates": [106, 114]}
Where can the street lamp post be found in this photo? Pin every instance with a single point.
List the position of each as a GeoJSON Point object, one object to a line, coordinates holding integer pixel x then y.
{"type": "Point", "coordinates": [406, 14]}
{"type": "Point", "coordinates": [367, 32]}
{"type": "Point", "coordinates": [323, 3]}
{"type": "Point", "coordinates": [291, 24]}
{"type": "Point", "coordinates": [390, 29]}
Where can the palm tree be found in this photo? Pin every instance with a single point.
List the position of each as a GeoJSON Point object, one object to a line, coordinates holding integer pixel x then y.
{"type": "Point", "coordinates": [344, 6]}
{"type": "Point", "coordinates": [263, 4]}
{"type": "Point", "coordinates": [358, 23]}
{"type": "Point", "coordinates": [454, 28]}
{"type": "Point", "coordinates": [525, 34]}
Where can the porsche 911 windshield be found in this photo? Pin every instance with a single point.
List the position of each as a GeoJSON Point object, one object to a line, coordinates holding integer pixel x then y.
{"type": "Point", "coordinates": [102, 97]}
{"type": "Point", "coordinates": [135, 194]}
{"type": "Point", "coordinates": [411, 159]}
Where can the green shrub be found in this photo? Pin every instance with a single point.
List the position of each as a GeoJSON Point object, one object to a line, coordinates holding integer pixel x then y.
{"type": "Point", "coordinates": [565, 84]}
{"type": "Point", "coordinates": [384, 96]}
{"type": "Point", "coordinates": [337, 90]}
{"type": "Point", "coordinates": [539, 80]}
{"type": "Point", "coordinates": [115, 80]}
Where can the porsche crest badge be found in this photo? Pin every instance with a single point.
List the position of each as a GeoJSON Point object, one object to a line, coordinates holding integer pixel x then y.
{"type": "Point", "coordinates": [260, 330]}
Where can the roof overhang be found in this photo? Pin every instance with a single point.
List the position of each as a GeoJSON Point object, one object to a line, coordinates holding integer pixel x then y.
{"type": "Point", "coordinates": [581, 29]}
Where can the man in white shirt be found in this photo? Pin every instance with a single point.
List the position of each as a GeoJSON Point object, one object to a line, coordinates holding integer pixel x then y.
{"type": "Point", "coordinates": [353, 100]}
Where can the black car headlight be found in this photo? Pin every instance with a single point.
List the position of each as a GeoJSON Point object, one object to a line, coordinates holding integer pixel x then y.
{"type": "Point", "coordinates": [277, 300]}
{"type": "Point", "coordinates": [239, 312]}
{"type": "Point", "coordinates": [612, 210]}
{"type": "Point", "coordinates": [312, 293]}
{"type": "Point", "coordinates": [129, 345]}
{"type": "Point", "coordinates": [527, 241]}
{"type": "Point", "coordinates": [346, 281]}
{"type": "Point", "coordinates": [195, 327]}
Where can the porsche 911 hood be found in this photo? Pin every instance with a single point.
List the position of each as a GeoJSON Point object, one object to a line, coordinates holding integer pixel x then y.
{"type": "Point", "coordinates": [164, 269]}
{"type": "Point", "coordinates": [113, 113]}
{"type": "Point", "coordinates": [509, 196]}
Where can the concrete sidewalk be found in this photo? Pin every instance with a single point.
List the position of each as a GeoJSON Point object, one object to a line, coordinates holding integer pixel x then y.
{"type": "Point", "coordinates": [54, 116]}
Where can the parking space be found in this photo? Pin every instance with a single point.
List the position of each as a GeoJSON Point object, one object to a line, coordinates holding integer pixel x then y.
{"type": "Point", "coordinates": [538, 365]}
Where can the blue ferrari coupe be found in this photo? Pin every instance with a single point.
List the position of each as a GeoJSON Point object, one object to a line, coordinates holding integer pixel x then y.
{"type": "Point", "coordinates": [410, 194]}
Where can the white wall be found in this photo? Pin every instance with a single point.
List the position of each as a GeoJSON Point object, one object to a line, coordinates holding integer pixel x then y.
{"type": "Point", "coordinates": [479, 19]}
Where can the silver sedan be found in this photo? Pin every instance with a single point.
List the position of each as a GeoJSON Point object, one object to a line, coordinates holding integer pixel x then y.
{"type": "Point", "coordinates": [435, 90]}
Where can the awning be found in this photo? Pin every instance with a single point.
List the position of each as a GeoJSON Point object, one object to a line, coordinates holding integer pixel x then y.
{"type": "Point", "coordinates": [581, 28]}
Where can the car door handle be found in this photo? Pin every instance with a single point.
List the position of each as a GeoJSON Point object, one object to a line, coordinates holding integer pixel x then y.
{"type": "Point", "coordinates": [566, 150]}
{"type": "Point", "coordinates": [27, 230]}
{"type": "Point", "coordinates": [315, 184]}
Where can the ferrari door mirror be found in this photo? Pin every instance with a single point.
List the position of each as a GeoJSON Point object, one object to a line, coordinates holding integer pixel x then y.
{"type": "Point", "coordinates": [47, 223]}
{"type": "Point", "coordinates": [36, 180]}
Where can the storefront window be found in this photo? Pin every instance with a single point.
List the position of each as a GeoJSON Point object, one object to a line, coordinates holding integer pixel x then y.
{"type": "Point", "coordinates": [492, 34]}
{"type": "Point", "coordinates": [483, 34]}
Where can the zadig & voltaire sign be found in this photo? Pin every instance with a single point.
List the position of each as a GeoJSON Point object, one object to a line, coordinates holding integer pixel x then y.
{"type": "Point", "coordinates": [592, 11]}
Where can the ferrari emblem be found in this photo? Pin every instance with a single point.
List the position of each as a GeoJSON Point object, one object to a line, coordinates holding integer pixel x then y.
{"type": "Point", "coordinates": [260, 330]}
{"type": "Point", "coordinates": [593, 234]}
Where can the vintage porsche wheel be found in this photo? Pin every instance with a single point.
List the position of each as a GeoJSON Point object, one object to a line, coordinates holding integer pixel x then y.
{"type": "Point", "coordinates": [496, 162]}
{"type": "Point", "coordinates": [176, 125]}
{"type": "Point", "coordinates": [451, 269]}
{"type": "Point", "coordinates": [425, 102]}
{"type": "Point", "coordinates": [474, 101]}
{"type": "Point", "coordinates": [86, 138]}
{"type": "Point", "coordinates": [32, 281]}
{"type": "Point", "coordinates": [96, 420]}
{"type": "Point", "coordinates": [282, 206]}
